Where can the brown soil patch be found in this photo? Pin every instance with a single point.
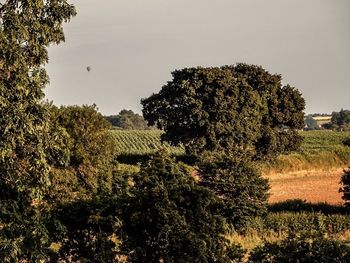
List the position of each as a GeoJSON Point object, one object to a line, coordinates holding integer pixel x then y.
{"type": "Point", "coordinates": [312, 186]}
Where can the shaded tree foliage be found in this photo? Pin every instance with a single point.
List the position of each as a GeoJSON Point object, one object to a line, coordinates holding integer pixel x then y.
{"type": "Point", "coordinates": [340, 120]}
{"type": "Point", "coordinates": [128, 120]}
{"type": "Point", "coordinates": [239, 187]}
{"type": "Point", "coordinates": [304, 248]}
{"type": "Point", "coordinates": [27, 28]}
{"type": "Point", "coordinates": [82, 159]}
{"type": "Point", "coordinates": [310, 122]}
{"type": "Point", "coordinates": [238, 108]}
{"type": "Point", "coordinates": [171, 218]}
{"type": "Point", "coordinates": [345, 186]}
{"type": "Point", "coordinates": [90, 230]}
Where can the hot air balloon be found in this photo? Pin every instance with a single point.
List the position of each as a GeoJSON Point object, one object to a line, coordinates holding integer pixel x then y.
{"type": "Point", "coordinates": [88, 68]}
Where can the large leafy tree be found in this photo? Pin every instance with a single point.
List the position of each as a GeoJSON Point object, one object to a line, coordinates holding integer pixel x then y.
{"type": "Point", "coordinates": [27, 28]}
{"type": "Point", "coordinates": [238, 108]}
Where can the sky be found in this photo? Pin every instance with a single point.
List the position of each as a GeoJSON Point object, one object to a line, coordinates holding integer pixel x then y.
{"type": "Point", "coordinates": [132, 46]}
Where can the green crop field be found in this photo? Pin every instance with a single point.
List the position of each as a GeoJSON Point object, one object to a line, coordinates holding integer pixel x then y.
{"type": "Point", "coordinates": [141, 142]}
{"type": "Point", "coordinates": [147, 141]}
{"type": "Point", "coordinates": [315, 141]}
{"type": "Point", "coordinates": [320, 149]}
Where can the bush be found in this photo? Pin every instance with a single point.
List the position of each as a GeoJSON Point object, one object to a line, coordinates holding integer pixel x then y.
{"type": "Point", "coordinates": [346, 142]}
{"type": "Point", "coordinates": [238, 186]}
{"type": "Point", "coordinates": [82, 155]}
{"type": "Point", "coordinates": [170, 218]}
{"type": "Point", "coordinates": [90, 230]}
{"type": "Point", "coordinates": [298, 205]}
{"type": "Point", "coordinates": [345, 187]}
{"type": "Point", "coordinates": [302, 248]}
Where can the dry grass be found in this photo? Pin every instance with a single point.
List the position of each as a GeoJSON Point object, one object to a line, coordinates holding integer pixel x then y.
{"type": "Point", "coordinates": [311, 185]}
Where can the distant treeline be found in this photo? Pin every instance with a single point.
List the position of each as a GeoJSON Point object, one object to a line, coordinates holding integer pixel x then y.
{"type": "Point", "coordinates": [128, 120]}
{"type": "Point", "coordinates": [339, 121]}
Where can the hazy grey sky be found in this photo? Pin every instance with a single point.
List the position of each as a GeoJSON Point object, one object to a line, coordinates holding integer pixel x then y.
{"type": "Point", "coordinates": [133, 45]}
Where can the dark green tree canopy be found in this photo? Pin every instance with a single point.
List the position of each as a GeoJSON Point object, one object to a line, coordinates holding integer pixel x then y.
{"type": "Point", "coordinates": [27, 28]}
{"type": "Point", "coordinates": [239, 187]}
{"type": "Point", "coordinates": [169, 218]}
{"type": "Point", "coordinates": [341, 120]}
{"type": "Point", "coordinates": [236, 108]}
{"type": "Point", "coordinates": [310, 122]}
{"type": "Point", "coordinates": [82, 153]}
{"type": "Point", "coordinates": [345, 186]}
{"type": "Point", "coordinates": [127, 119]}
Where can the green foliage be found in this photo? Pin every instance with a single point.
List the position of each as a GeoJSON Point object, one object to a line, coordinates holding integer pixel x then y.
{"type": "Point", "coordinates": [342, 117]}
{"type": "Point", "coordinates": [88, 151]}
{"type": "Point", "coordinates": [240, 108]}
{"type": "Point", "coordinates": [128, 120]}
{"type": "Point", "coordinates": [285, 222]}
{"type": "Point", "coordinates": [239, 187]}
{"type": "Point", "coordinates": [341, 120]}
{"type": "Point", "coordinates": [90, 230]}
{"type": "Point", "coordinates": [170, 218]}
{"type": "Point", "coordinates": [345, 187]}
{"type": "Point", "coordinates": [282, 223]}
{"type": "Point", "coordinates": [27, 28]}
{"type": "Point", "coordinates": [298, 205]}
{"type": "Point", "coordinates": [302, 248]}
{"type": "Point", "coordinates": [310, 122]}
{"type": "Point", "coordinates": [346, 142]}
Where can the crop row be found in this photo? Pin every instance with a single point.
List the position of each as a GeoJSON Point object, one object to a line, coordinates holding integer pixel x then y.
{"type": "Point", "coordinates": [146, 141]}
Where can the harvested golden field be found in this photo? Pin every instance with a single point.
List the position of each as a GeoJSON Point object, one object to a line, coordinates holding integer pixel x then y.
{"type": "Point", "coordinates": [312, 185]}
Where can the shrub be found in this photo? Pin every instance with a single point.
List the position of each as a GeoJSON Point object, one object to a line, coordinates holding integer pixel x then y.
{"type": "Point", "coordinates": [298, 205]}
{"type": "Point", "coordinates": [170, 218]}
{"type": "Point", "coordinates": [345, 187]}
{"type": "Point", "coordinates": [90, 230]}
{"type": "Point", "coordinates": [346, 142]}
{"type": "Point", "coordinates": [82, 160]}
{"type": "Point", "coordinates": [302, 248]}
{"type": "Point", "coordinates": [238, 186]}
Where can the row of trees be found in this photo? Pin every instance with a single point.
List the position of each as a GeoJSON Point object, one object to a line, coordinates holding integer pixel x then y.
{"type": "Point", "coordinates": [128, 120]}
{"type": "Point", "coordinates": [339, 121]}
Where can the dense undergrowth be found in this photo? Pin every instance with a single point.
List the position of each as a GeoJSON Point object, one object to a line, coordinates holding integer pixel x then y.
{"type": "Point", "coordinates": [295, 218]}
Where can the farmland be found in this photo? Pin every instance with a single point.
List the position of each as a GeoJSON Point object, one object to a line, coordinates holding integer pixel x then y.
{"type": "Point", "coordinates": [319, 148]}
{"type": "Point", "coordinates": [140, 142]}
{"type": "Point", "coordinates": [319, 162]}
{"type": "Point", "coordinates": [310, 175]}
